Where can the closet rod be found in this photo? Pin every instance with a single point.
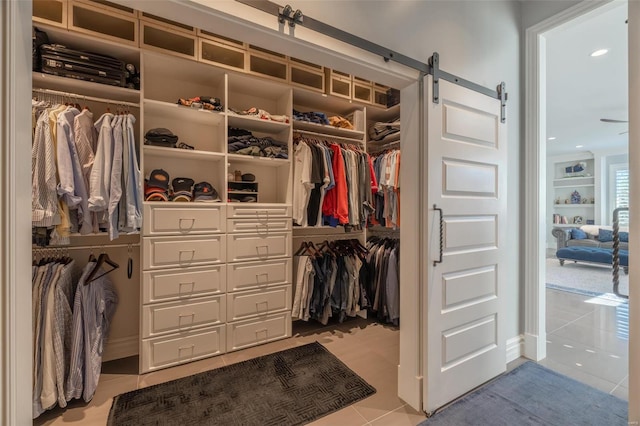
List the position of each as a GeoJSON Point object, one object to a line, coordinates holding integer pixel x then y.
{"type": "Point", "coordinates": [333, 236]}
{"type": "Point", "coordinates": [86, 98]}
{"type": "Point", "coordinates": [371, 148]}
{"type": "Point", "coordinates": [328, 137]}
{"type": "Point", "coordinates": [93, 247]}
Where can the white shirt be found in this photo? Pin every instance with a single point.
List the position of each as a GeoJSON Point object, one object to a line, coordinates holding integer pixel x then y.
{"type": "Point", "coordinates": [301, 183]}
{"type": "Point", "coordinates": [100, 179]}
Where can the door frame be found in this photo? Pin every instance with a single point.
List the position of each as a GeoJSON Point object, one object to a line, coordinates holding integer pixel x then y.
{"type": "Point", "coordinates": [535, 185]}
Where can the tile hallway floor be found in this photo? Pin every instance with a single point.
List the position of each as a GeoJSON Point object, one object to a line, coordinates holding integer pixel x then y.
{"type": "Point", "coordinates": [580, 330]}
{"type": "Point", "coordinates": [588, 340]}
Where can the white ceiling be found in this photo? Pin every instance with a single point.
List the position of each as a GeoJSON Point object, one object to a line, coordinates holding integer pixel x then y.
{"type": "Point", "coordinates": [582, 89]}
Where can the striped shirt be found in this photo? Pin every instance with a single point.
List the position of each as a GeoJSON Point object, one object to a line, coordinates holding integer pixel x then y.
{"type": "Point", "coordinates": [44, 197]}
{"type": "Point", "coordinates": [94, 307]}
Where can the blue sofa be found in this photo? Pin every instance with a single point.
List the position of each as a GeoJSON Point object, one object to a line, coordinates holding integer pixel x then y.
{"type": "Point", "coordinates": [591, 244]}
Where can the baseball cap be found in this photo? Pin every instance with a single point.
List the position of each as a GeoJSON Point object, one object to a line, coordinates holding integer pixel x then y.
{"type": "Point", "coordinates": [159, 178]}
{"type": "Point", "coordinates": [182, 184]}
{"type": "Point", "coordinates": [248, 177]}
{"type": "Point", "coordinates": [204, 191]}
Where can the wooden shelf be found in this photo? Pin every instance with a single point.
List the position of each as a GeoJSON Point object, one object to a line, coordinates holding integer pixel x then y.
{"type": "Point", "coordinates": [161, 108]}
{"type": "Point", "coordinates": [262, 161]}
{"type": "Point", "coordinates": [190, 154]}
{"type": "Point", "coordinates": [328, 130]}
{"type": "Point", "coordinates": [572, 178]}
{"type": "Point", "coordinates": [572, 206]}
{"type": "Point", "coordinates": [580, 185]}
{"type": "Point", "coordinates": [256, 124]}
{"type": "Point", "coordinates": [243, 192]}
{"type": "Point", "coordinates": [80, 87]}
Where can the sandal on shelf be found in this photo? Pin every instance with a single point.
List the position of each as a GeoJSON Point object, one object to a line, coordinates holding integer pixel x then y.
{"type": "Point", "coordinates": [183, 145]}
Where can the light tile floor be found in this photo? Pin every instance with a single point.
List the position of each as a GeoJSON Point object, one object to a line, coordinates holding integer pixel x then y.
{"type": "Point", "coordinates": [587, 340]}
{"type": "Point", "coordinates": [372, 350]}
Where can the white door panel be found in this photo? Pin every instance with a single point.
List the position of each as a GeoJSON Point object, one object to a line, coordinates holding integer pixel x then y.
{"type": "Point", "coordinates": [466, 159]}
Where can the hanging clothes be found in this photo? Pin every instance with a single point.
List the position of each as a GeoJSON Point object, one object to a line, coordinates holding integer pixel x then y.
{"type": "Point", "coordinates": [382, 275]}
{"type": "Point", "coordinates": [328, 281]}
{"type": "Point", "coordinates": [386, 196]}
{"type": "Point", "coordinates": [69, 331]}
{"type": "Point", "coordinates": [332, 184]}
{"type": "Point", "coordinates": [85, 175]}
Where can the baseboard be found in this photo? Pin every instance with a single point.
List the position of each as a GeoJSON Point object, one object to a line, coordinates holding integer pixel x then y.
{"type": "Point", "coordinates": [121, 348]}
{"type": "Point", "coordinates": [410, 388]}
{"type": "Point", "coordinates": [535, 347]}
{"type": "Point", "coordinates": [515, 348]}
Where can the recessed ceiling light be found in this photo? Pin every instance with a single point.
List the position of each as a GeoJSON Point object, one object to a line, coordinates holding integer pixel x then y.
{"type": "Point", "coordinates": [579, 146]}
{"type": "Point", "coordinates": [552, 138]}
{"type": "Point", "coordinates": [599, 52]}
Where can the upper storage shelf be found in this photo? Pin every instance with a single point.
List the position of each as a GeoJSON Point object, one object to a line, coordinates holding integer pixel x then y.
{"type": "Point", "coordinates": [188, 79]}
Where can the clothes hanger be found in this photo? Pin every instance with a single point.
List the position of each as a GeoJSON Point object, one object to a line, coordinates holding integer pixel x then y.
{"type": "Point", "coordinates": [130, 261]}
{"type": "Point", "coordinates": [102, 259]}
{"type": "Point", "coordinates": [301, 249]}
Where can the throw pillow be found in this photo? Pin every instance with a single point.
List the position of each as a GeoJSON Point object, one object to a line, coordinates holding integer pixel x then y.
{"type": "Point", "coordinates": [624, 237]}
{"type": "Point", "coordinates": [605, 235]}
{"type": "Point", "coordinates": [578, 234]}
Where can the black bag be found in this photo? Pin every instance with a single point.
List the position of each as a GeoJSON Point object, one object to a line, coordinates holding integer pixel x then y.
{"type": "Point", "coordinates": [39, 38]}
{"type": "Point", "coordinates": [161, 137]}
{"type": "Point", "coordinates": [60, 60]}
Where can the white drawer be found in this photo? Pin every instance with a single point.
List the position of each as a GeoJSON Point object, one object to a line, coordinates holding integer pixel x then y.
{"type": "Point", "coordinates": [169, 219]}
{"type": "Point", "coordinates": [249, 275]}
{"type": "Point", "coordinates": [259, 330]}
{"type": "Point", "coordinates": [252, 303]}
{"type": "Point", "coordinates": [258, 247]}
{"type": "Point", "coordinates": [173, 252]}
{"type": "Point", "coordinates": [175, 349]}
{"type": "Point", "coordinates": [258, 211]}
{"type": "Point", "coordinates": [173, 284]}
{"type": "Point", "coordinates": [173, 317]}
{"type": "Point", "coordinates": [259, 226]}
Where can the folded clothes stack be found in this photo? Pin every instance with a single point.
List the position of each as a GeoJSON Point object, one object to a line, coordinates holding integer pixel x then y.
{"type": "Point", "coordinates": [243, 142]}
{"type": "Point", "coordinates": [341, 122]}
{"type": "Point", "coordinates": [321, 118]}
{"type": "Point", "coordinates": [202, 102]}
{"type": "Point", "coordinates": [381, 130]}
{"type": "Point", "coordinates": [184, 189]}
{"type": "Point", "coordinates": [311, 117]}
{"type": "Point", "coordinates": [261, 114]}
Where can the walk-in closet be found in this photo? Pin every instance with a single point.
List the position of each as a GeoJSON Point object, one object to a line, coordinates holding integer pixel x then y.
{"type": "Point", "coordinates": [221, 195]}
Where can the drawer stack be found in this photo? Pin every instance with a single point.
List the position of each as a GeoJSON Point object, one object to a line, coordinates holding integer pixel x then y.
{"type": "Point", "coordinates": [259, 274]}
{"type": "Point", "coordinates": [184, 283]}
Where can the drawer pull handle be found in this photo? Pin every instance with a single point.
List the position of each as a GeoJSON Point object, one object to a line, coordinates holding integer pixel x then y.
{"type": "Point", "coordinates": [264, 302]}
{"type": "Point", "coordinates": [192, 284]}
{"type": "Point", "coordinates": [193, 253]}
{"type": "Point", "coordinates": [192, 314]}
{"type": "Point", "coordinates": [262, 274]}
{"type": "Point", "coordinates": [193, 222]}
{"type": "Point", "coordinates": [262, 330]}
{"type": "Point", "coordinates": [182, 348]}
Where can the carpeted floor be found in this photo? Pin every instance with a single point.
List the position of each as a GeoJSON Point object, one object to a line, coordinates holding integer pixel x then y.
{"type": "Point", "coordinates": [591, 278]}
{"type": "Point", "coordinates": [533, 395]}
{"type": "Point", "coordinates": [290, 387]}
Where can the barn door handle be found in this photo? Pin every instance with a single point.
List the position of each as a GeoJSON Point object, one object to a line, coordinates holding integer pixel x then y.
{"type": "Point", "coordinates": [439, 210]}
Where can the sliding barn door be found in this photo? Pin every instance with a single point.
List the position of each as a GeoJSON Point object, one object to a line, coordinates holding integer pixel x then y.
{"type": "Point", "coordinates": [465, 234]}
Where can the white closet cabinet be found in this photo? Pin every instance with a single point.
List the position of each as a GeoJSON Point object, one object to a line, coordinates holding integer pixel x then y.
{"type": "Point", "coordinates": [189, 310]}
{"type": "Point", "coordinates": [215, 277]}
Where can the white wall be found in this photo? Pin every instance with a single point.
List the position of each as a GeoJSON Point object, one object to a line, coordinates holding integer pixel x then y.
{"type": "Point", "coordinates": [535, 11]}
